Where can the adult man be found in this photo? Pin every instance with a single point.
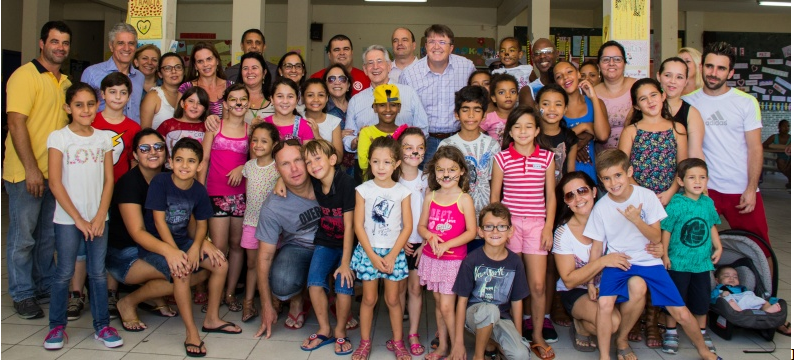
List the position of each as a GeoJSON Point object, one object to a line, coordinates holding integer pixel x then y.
{"type": "Point", "coordinates": [340, 50]}
{"type": "Point", "coordinates": [252, 41]}
{"type": "Point", "coordinates": [36, 95]}
{"type": "Point", "coordinates": [122, 40]}
{"type": "Point", "coordinates": [732, 143]}
{"type": "Point", "coordinates": [283, 274]}
{"type": "Point", "coordinates": [359, 110]}
{"type": "Point", "coordinates": [544, 56]}
{"type": "Point", "coordinates": [403, 46]}
{"type": "Point", "coordinates": [436, 78]}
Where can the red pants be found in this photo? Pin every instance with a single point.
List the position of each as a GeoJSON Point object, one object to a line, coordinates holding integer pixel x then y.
{"type": "Point", "coordinates": [754, 222]}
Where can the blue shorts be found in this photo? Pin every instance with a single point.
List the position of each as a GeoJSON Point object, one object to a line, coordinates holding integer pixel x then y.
{"type": "Point", "coordinates": [663, 291]}
{"type": "Point", "coordinates": [159, 263]}
{"type": "Point", "coordinates": [324, 262]}
{"type": "Point", "coordinates": [119, 261]}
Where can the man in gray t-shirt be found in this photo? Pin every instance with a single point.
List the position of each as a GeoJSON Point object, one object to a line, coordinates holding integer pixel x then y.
{"type": "Point", "coordinates": [282, 272]}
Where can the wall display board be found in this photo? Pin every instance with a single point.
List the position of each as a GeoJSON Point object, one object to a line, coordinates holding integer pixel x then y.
{"type": "Point", "coordinates": [763, 66]}
{"type": "Point", "coordinates": [575, 44]}
{"type": "Point", "coordinates": [478, 50]}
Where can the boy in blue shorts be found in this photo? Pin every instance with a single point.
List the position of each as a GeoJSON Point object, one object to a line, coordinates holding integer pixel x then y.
{"type": "Point", "coordinates": [626, 221]}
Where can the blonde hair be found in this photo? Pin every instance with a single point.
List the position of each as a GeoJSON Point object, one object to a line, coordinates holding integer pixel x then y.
{"type": "Point", "coordinates": [147, 47]}
{"type": "Point", "coordinates": [697, 59]}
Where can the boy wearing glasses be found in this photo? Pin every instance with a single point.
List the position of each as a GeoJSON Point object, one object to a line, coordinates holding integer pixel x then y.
{"type": "Point", "coordinates": [491, 285]}
{"type": "Point", "coordinates": [115, 89]}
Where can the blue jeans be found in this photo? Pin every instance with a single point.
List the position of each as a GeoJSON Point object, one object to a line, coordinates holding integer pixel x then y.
{"type": "Point", "coordinates": [67, 241]}
{"type": "Point", "coordinates": [430, 150]}
{"type": "Point", "coordinates": [324, 262]}
{"type": "Point", "coordinates": [289, 271]}
{"type": "Point", "coordinates": [31, 241]}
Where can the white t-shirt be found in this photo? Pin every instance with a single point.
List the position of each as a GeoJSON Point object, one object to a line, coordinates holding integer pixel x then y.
{"type": "Point", "coordinates": [327, 127]}
{"type": "Point", "coordinates": [727, 117]}
{"type": "Point", "coordinates": [566, 243]}
{"type": "Point", "coordinates": [479, 156]}
{"type": "Point", "coordinates": [383, 220]}
{"type": "Point", "coordinates": [418, 187]}
{"type": "Point", "coordinates": [83, 173]}
{"type": "Point", "coordinates": [608, 225]}
{"type": "Point", "coordinates": [521, 72]}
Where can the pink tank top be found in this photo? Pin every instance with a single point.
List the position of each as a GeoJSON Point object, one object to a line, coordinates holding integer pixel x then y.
{"type": "Point", "coordinates": [448, 222]}
{"type": "Point", "coordinates": [617, 110]}
{"type": "Point", "coordinates": [226, 154]}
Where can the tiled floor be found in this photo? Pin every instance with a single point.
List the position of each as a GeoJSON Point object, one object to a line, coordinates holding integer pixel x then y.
{"type": "Point", "coordinates": [22, 339]}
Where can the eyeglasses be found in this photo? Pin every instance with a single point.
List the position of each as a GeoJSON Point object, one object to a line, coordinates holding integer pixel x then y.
{"type": "Point", "coordinates": [543, 51]}
{"type": "Point", "coordinates": [582, 191]}
{"type": "Point", "coordinates": [157, 147]}
{"type": "Point", "coordinates": [334, 78]}
{"type": "Point", "coordinates": [501, 227]}
{"type": "Point", "coordinates": [615, 59]}
{"type": "Point", "coordinates": [442, 43]}
{"type": "Point", "coordinates": [296, 66]}
{"type": "Point", "coordinates": [171, 68]}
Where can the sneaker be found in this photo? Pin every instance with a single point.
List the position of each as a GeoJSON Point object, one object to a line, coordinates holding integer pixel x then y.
{"type": "Point", "coordinates": [110, 337]}
{"type": "Point", "coordinates": [28, 309]}
{"type": "Point", "coordinates": [55, 338]}
{"type": "Point", "coordinates": [113, 298]}
{"type": "Point", "coordinates": [43, 299]}
{"type": "Point", "coordinates": [75, 306]}
{"type": "Point", "coordinates": [549, 333]}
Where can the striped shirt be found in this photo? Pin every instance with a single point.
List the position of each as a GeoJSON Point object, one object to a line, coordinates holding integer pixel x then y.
{"type": "Point", "coordinates": [524, 180]}
{"type": "Point", "coordinates": [437, 91]}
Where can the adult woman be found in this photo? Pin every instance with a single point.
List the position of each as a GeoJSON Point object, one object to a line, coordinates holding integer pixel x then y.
{"type": "Point", "coordinates": [692, 57]}
{"type": "Point", "coordinates": [339, 92]}
{"type": "Point", "coordinates": [205, 71]}
{"type": "Point", "coordinates": [781, 141]}
{"type": "Point", "coordinates": [254, 74]}
{"type": "Point", "coordinates": [292, 66]}
{"type": "Point", "coordinates": [589, 71]}
{"type": "Point", "coordinates": [586, 114]}
{"type": "Point", "coordinates": [673, 77]}
{"type": "Point", "coordinates": [614, 89]}
{"type": "Point", "coordinates": [159, 105]}
{"type": "Point", "coordinates": [146, 59]}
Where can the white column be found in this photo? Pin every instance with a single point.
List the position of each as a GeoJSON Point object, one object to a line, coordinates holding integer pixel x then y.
{"type": "Point", "coordinates": [246, 14]}
{"type": "Point", "coordinates": [34, 14]}
{"type": "Point", "coordinates": [694, 29]}
{"type": "Point", "coordinates": [665, 31]}
{"type": "Point", "coordinates": [538, 19]}
{"type": "Point", "coordinates": [299, 15]}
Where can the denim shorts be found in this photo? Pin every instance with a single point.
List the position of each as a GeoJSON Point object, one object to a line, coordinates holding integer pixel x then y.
{"type": "Point", "coordinates": [324, 262]}
{"type": "Point", "coordinates": [119, 261]}
{"type": "Point", "coordinates": [158, 262]}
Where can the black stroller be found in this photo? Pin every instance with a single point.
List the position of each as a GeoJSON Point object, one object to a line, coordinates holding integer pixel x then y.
{"type": "Point", "coordinates": [743, 254]}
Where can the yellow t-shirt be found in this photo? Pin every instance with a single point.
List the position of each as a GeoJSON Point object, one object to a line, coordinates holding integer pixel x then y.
{"type": "Point", "coordinates": [365, 138]}
{"type": "Point", "coordinates": [34, 92]}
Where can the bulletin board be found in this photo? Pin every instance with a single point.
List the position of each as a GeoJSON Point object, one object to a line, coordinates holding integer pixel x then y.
{"type": "Point", "coordinates": [478, 50]}
{"type": "Point", "coordinates": [763, 66]}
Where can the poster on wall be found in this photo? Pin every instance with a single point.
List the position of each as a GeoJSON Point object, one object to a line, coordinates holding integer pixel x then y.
{"type": "Point", "coordinates": [478, 50]}
{"type": "Point", "coordinates": [146, 16]}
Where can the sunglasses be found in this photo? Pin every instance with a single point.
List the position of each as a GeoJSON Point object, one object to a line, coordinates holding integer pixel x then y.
{"type": "Point", "coordinates": [501, 227]}
{"type": "Point", "coordinates": [334, 78]}
{"type": "Point", "coordinates": [157, 147]}
{"type": "Point", "coordinates": [582, 191]}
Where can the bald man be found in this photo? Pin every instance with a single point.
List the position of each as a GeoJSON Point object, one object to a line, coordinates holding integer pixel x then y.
{"type": "Point", "coordinates": [544, 56]}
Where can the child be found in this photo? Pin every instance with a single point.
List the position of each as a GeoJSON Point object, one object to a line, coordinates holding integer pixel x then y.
{"type": "Point", "coordinates": [383, 224]}
{"type": "Point", "coordinates": [490, 286]}
{"type": "Point", "coordinates": [174, 199]}
{"type": "Point", "coordinates": [504, 93]}
{"type": "Point", "coordinates": [688, 256]}
{"type": "Point", "coordinates": [81, 179]}
{"type": "Point", "coordinates": [387, 105]}
{"type": "Point", "coordinates": [737, 295]}
{"type": "Point", "coordinates": [284, 95]}
{"type": "Point", "coordinates": [189, 116]}
{"type": "Point", "coordinates": [477, 147]}
{"type": "Point", "coordinates": [653, 141]}
{"type": "Point", "coordinates": [482, 78]}
{"type": "Point", "coordinates": [261, 175]}
{"type": "Point", "coordinates": [526, 170]}
{"type": "Point", "coordinates": [447, 224]}
{"type": "Point", "coordinates": [222, 173]}
{"type": "Point", "coordinates": [315, 97]}
{"type": "Point", "coordinates": [333, 244]}
{"type": "Point", "coordinates": [510, 54]}
{"type": "Point", "coordinates": [115, 90]}
{"type": "Point", "coordinates": [413, 141]}
{"type": "Point", "coordinates": [553, 101]}
{"type": "Point", "coordinates": [626, 221]}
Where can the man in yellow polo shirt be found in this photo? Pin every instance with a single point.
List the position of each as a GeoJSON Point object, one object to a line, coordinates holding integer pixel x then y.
{"type": "Point", "coordinates": [36, 95]}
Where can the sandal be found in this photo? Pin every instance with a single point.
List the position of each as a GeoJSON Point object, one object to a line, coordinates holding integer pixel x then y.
{"type": "Point", "coordinates": [580, 342]}
{"type": "Point", "coordinates": [537, 348]}
{"type": "Point", "coordinates": [432, 356]}
{"type": "Point", "coordinates": [351, 324]}
{"type": "Point", "coordinates": [200, 298]}
{"type": "Point", "coordinates": [141, 327]}
{"type": "Point", "coordinates": [558, 314]}
{"type": "Point", "coordinates": [653, 338]}
{"type": "Point", "coordinates": [232, 302]}
{"type": "Point", "coordinates": [249, 310]}
{"type": "Point", "coordinates": [298, 324]}
{"type": "Point", "coordinates": [635, 334]}
{"type": "Point", "coordinates": [195, 354]}
{"type": "Point", "coordinates": [417, 349]}
{"type": "Point", "coordinates": [670, 343]}
{"type": "Point", "coordinates": [341, 342]}
{"type": "Point", "coordinates": [400, 353]}
{"type": "Point", "coordinates": [623, 353]}
{"type": "Point", "coordinates": [362, 352]}
{"type": "Point", "coordinates": [323, 341]}
{"type": "Point", "coordinates": [160, 311]}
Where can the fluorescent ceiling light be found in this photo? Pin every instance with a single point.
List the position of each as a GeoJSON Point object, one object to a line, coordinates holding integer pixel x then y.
{"type": "Point", "coordinates": [397, 1]}
{"type": "Point", "coordinates": [774, 3]}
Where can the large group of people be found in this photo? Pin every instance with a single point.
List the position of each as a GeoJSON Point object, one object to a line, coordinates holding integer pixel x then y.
{"type": "Point", "coordinates": [519, 198]}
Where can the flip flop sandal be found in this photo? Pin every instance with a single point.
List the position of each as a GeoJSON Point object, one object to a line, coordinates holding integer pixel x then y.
{"type": "Point", "coordinates": [623, 353]}
{"type": "Point", "coordinates": [580, 342]}
{"type": "Point", "coordinates": [324, 340]}
{"type": "Point", "coordinates": [221, 329]}
{"type": "Point", "coordinates": [195, 354]}
{"type": "Point", "coordinates": [417, 349]}
{"type": "Point", "coordinates": [341, 342]}
{"type": "Point", "coordinates": [306, 306]}
{"type": "Point", "coordinates": [124, 326]}
{"type": "Point", "coordinates": [363, 350]}
{"type": "Point", "coordinates": [787, 326]}
{"type": "Point", "coordinates": [670, 343]}
{"type": "Point", "coordinates": [160, 311]}
{"type": "Point", "coordinates": [537, 348]}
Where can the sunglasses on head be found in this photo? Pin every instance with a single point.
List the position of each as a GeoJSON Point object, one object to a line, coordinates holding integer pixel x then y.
{"type": "Point", "coordinates": [571, 195]}
{"type": "Point", "coordinates": [334, 78]}
{"type": "Point", "coordinates": [157, 147]}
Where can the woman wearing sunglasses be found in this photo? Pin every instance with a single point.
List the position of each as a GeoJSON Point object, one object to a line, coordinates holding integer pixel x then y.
{"type": "Point", "coordinates": [614, 89]}
{"type": "Point", "coordinates": [337, 78]}
{"type": "Point", "coordinates": [579, 280]}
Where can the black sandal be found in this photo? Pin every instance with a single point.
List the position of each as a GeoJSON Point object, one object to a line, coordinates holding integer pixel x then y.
{"type": "Point", "coordinates": [195, 354]}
